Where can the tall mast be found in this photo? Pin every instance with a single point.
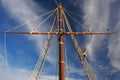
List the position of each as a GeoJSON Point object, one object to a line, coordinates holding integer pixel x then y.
{"type": "Point", "coordinates": [61, 46]}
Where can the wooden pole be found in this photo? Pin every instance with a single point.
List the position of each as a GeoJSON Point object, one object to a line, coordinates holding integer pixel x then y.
{"type": "Point", "coordinates": [61, 46]}
{"type": "Point", "coordinates": [64, 33]}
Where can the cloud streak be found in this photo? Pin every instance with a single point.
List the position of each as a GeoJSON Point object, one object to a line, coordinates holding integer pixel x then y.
{"type": "Point", "coordinates": [17, 74]}
{"type": "Point", "coordinates": [22, 11]}
{"type": "Point", "coordinates": [96, 18]}
{"type": "Point", "coordinates": [99, 16]}
{"type": "Point", "coordinates": [114, 42]}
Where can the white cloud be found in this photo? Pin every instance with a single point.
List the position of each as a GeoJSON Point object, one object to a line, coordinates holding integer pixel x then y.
{"type": "Point", "coordinates": [97, 17]}
{"type": "Point", "coordinates": [3, 69]}
{"type": "Point", "coordinates": [7, 73]}
{"type": "Point", "coordinates": [24, 10]}
{"type": "Point", "coordinates": [20, 74]}
{"type": "Point", "coordinates": [3, 65]}
{"type": "Point", "coordinates": [114, 47]}
{"type": "Point", "coordinates": [72, 69]}
{"type": "Point", "coordinates": [49, 77]}
{"type": "Point", "coordinates": [15, 74]}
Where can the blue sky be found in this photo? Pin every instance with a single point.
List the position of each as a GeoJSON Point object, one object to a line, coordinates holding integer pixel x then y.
{"type": "Point", "coordinates": [23, 50]}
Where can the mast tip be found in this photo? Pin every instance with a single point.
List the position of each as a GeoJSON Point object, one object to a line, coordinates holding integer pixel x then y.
{"type": "Point", "coordinates": [60, 4]}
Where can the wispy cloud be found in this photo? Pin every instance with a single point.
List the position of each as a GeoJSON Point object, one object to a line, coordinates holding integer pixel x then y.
{"type": "Point", "coordinates": [114, 42]}
{"type": "Point", "coordinates": [22, 11]}
{"type": "Point", "coordinates": [3, 69]}
{"type": "Point", "coordinates": [73, 69]}
{"type": "Point", "coordinates": [50, 77]}
{"type": "Point", "coordinates": [16, 74]}
{"type": "Point", "coordinates": [99, 17]}
{"type": "Point", "coordinates": [96, 18]}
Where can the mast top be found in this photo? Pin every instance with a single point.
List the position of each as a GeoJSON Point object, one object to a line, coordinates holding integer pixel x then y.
{"type": "Point", "coordinates": [60, 5]}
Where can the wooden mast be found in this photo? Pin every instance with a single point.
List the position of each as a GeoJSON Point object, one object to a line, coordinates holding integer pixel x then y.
{"type": "Point", "coordinates": [61, 46]}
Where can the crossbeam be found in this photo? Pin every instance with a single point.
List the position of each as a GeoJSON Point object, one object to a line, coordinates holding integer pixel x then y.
{"type": "Point", "coordinates": [62, 33]}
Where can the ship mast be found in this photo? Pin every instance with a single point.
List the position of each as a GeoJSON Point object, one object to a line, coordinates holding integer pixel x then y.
{"type": "Point", "coordinates": [61, 46]}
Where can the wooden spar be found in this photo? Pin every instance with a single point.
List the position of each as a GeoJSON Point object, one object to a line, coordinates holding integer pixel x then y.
{"type": "Point", "coordinates": [65, 33]}
{"type": "Point", "coordinates": [61, 46]}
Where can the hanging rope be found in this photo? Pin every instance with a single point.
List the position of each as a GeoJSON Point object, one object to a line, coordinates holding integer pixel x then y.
{"type": "Point", "coordinates": [41, 61]}
{"type": "Point", "coordinates": [6, 58]}
{"type": "Point", "coordinates": [72, 36]}
{"type": "Point", "coordinates": [66, 62]}
{"type": "Point", "coordinates": [57, 60]}
{"type": "Point", "coordinates": [73, 13]}
{"type": "Point", "coordinates": [38, 26]}
{"type": "Point", "coordinates": [93, 22]}
{"type": "Point", "coordinates": [76, 19]}
{"type": "Point", "coordinates": [56, 2]}
{"type": "Point", "coordinates": [73, 18]}
{"type": "Point", "coordinates": [86, 66]}
{"type": "Point", "coordinates": [57, 54]}
{"type": "Point", "coordinates": [16, 27]}
{"type": "Point", "coordinates": [43, 56]}
{"type": "Point", "coordinates": [88, 70]}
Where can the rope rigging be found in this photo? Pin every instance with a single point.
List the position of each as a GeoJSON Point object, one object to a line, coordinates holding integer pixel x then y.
{"type": "Point", "coordinates": [43, 21]}
{"type": "Point", "coordinates": [87, 68]}
{"type": "Point", "coordinates": [88, 20]}
{"type": "Point", "coordinates": [57, 60]}
{"type": "Point", "coordinates": [43, 56]}
{"type": "Point", "coordinates": [73, 13]}
{"type": "Point", "coordinates": [73, 18]}
{"type": "Point", "coordinates": [6, 58]}
{"type": "Point", "coordinates": [66, 62]}
{"type": "Point", "coordinates": [56, 2]}
{"type": "Point", "coordinates": [16, 27]}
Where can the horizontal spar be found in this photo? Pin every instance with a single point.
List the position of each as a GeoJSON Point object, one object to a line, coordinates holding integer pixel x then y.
{"type": "Point", "coordinates": [89, 33]}
{"type": "Point", "coordinates": [62, 33]}
{"type": "Point", "coordinates": [43, 33]}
